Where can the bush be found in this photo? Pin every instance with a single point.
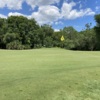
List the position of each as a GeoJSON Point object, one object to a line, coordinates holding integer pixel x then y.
{"type": "Point", "coordinates": [37, 45]}
{"type": "Point", "coordinates": [69, 44]}
{"type": "Point", "coordinates": [15, 45]}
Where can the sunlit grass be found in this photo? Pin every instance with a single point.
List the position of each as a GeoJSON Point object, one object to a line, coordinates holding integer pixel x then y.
{"type": "Point", "coordinates": [49, 74]}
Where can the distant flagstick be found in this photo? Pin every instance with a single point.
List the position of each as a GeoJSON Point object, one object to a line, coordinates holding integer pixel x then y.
{"type": "Point", "coordinates": [62, 38]}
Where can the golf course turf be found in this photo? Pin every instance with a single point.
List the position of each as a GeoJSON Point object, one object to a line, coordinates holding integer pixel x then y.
{"type": "Point", "coordinates": [49, 74]}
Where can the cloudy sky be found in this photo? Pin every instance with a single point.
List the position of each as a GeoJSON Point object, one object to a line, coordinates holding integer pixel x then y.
{"type": "Point", "coordinates": [58, 13]}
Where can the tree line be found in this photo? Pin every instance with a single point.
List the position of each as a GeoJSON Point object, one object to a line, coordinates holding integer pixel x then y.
{"type": "Point", "coordinates": [18, 33]}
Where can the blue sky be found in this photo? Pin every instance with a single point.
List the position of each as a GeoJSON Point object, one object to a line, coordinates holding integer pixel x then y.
{"type": "Point", "coordinates": [58, 13]}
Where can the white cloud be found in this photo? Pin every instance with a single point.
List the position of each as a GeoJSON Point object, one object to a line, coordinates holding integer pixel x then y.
{"type": "Point", "coordinates": [34, 3]}
{"type": "Point", "coordinates": [2, 3]}
{"type": "Point", "coordinates": [3, 16]}
{"type": "Point", "coordinates": [15, 14]}
{"type": "Point", "coordinates": [67, 7]}
{"type": "Point", "coordinates": [18, 14]}
{"type": "Point", "coordinates": [69, 13]}
{"type": "Point", "coordinates": [66, 10]}
{"type": "Point", "coordinates": [11, 4]}
{"type": "Point", "coordinates": [56, 30]}
{"type": "Point", "coordinates": [17, 4]}
{"type": "Point", "coordinates": [46, 14]}
{"type": "Point", "coordinates": [88, 12]}
{"type": "Point", "coordinates": [14, 4]}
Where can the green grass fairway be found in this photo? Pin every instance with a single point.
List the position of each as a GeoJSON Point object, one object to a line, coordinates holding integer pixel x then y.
{"type": "Point", "coordinates": [49, 74]}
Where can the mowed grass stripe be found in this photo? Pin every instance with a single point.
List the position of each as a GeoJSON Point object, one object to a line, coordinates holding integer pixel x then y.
{"type": "Point", "coordinates": [49, 74]}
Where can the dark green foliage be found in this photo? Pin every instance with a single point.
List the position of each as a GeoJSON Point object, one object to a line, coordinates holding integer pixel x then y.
{"type": "Point", "coordinates": [18, 32]}
{"type": "Point", "coordinates": [86, 40]}
{"type": "Point", "coordinates": [15, 45]}
{"type": "Point", "coordinates": [56, 39]}
{"type": "Point", "coordinates": [48, 42]}
{"type": "Point", "coordinates": [69, 32]}
{"type": "Point", "coordinates": [69, 44]}
{"type": "Point", "coordinates": [46, 36]}
{"type": "Point", "coordinates": [3, 30]}
{"type": "Point", "coordinates": [97, 29]}
{"type": "Point", "coordinates": [10, 37]}
{"type": "Point", "coordinates": [70, 35]}
{"type": "Point", "coordinates": [18, 29]}
{"type": "Point", "coordinates": [97, 18]}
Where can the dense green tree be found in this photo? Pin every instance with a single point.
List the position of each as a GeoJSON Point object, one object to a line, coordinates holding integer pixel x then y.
{"type": "Point", "coordinates": [70, 35]}
{"type": "Point", "coordinates": [24, 27]}
{"type": "Point", "coordinates": [3, 30]}
{"type": "Point", "coordinates": [86, 40]}
{"type": "Point", "coordinates": [69, 32]}
{"type": "Point", "coordinates": [9, 37]}
{"type": "Point", "coordinates": [79, 41]}
{"type": "Point", "coordinates": [18, 32]}
{"type": "Point", "coordinates": [57, 39]}
{"type": "Point", "coordinates": [46, 35]}
{"type": "Point", "coordinates": [97, 29]}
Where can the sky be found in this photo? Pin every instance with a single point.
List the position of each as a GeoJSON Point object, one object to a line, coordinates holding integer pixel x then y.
{"type": "Point", "coordinates": [57, 13]}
